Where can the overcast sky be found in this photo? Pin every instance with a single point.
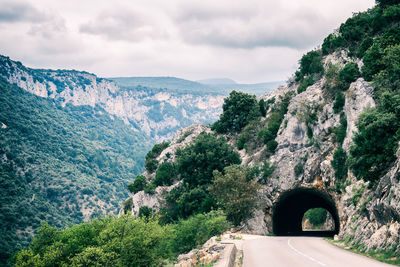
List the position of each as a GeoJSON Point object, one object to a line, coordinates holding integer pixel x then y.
{"type": "Point", "coordinates": [246, 40]}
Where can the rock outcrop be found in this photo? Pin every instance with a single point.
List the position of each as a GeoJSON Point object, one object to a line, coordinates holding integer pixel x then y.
{"type": "Point", "coordinates": [158, 113]}
{"type": "Point", "coordinates": [366, 216]}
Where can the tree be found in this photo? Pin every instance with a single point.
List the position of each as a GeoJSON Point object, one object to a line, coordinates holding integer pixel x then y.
{"type": "Point", "coordinates": [339, 164]}
{"type": "Point", "coordinates": [238, 110]}
{"type": "Point", "coordinates": [165, 174]}
{"type": "Point", "coordinates": [137, 185]}
{"type": "Point", "coordinates": [207, 153]}
{"type": "Point", "coordinates": [263, 110]}
{"type": "Point", "coordinates": [235, 193]}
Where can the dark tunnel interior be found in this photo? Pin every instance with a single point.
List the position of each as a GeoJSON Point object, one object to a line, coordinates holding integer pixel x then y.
{"type": "Point", "coordinates": [289, 210]}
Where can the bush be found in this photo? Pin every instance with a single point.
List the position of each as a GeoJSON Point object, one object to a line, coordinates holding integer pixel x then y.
{"type": "Point", "coordinates": [137, 185]}
{"type": "Point", "coordinates": [150, 188]}
{"type": "Point", "coordinates": [165, 174]}
{"type": "Point", "coordinates": [271, 146]}
{"type": "Point", "coordinates": [145, 212]}
{"type": "Point", "coordinates": [316, 216]}
{"type": "Point", "coordinates": [198, 229]}
{"type": "Point", "coordinates": [299, 169]}
{"type": "Point", "coordinates": [349, 74]}
{"type": "Point", "coordinates": [375, 143]}
{"type": "Point", "coordinates": [205, 154]}
{"type": "Point", "coordinates": [235, 193]}
{"type": "Point", "coordinates": [339, 102]}
{"type": "Point", "coordinates": [151, 165]}
{"type": "Point", "coordinates": [263, 110]}
{"type": "Point", "coordinates": [339, 164]}
{"type": "Point", "coordinates": [151, 162]}
{"type": "Point", "coordinates": [311, 63]}
{"type": "Point", "coordinates": [340, 132]}
{"type": "Point", "coordinates": [304, 84]}
{"type": "Point", "coordinates": [238, 110]}
{"type": "Point", "coordinates": [267, 170]}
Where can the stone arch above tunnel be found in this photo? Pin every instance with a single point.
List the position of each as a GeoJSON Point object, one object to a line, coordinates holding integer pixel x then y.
{"type": "Point", "coordinates": [290, 207]}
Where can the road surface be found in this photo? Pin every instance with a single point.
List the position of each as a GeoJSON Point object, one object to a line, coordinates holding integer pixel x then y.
{"type": "Point", "coordinates": [300, 251]}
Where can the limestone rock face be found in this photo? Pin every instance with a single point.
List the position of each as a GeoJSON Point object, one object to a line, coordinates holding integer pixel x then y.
{"type": "Point", "coordinates": [157, 113]}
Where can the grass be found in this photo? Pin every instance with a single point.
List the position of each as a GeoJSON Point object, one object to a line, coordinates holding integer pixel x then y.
{"type": "Point", "coordinates": [388, 256]}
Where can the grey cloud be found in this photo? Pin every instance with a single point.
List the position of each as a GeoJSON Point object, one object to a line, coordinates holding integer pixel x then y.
{"type": "Point", "coordinates": [125, 24]}
{"type": "Point", "coordinates": [12, 11]}
{"type": "Point", "coordinates": [258, 27]}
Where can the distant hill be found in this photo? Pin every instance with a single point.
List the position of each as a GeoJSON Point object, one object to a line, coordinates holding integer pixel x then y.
{"type": "Point", "coordinates": [160, 82]}
{"type": "Point", "coordinates": [209, 86]}
{"type": "Point", "coordinates": [217, 81]}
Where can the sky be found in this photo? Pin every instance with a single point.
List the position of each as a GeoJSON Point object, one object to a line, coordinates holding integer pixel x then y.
{"type": "Point", "coordinates": [248, 41]}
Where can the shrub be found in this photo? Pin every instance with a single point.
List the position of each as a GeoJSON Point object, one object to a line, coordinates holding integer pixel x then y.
{"type": "Point", "coordinates": [238, 110]}
{"type": "Point", "coordinates": [316, 216]}
{"type": "Point", "coordinates": [299, 169]}
{"type": "Point", "coordinates": [137, 185]}
{"type": "Point", "coordinates": [339, 102]}
{"type": "Point", "coordinates": [150, 188]}
{"type": "Point", "coordinates": [151, 165]}
{"type": "Point", "coordinates": [128, 205]}
{"type": "Point", "coordinates": [311, 63]}
{"type": "Point", "coordinates": [263, 110]}
{"type": "Point", "coordinates": [145, 212]}
{"type": "Point", "coordinates": [339, 164]}
{"type": "Point", "coordinates": [375, 143]}
{"type": "Point", "coordinates": [267, 170]}
{"type": "Point", "coordinates": [205, 154]}
{"type": "Point", "coordinates": [151, 162]}
{"type": "Point", "coordinates": [332, 43]}
{"type": "Point", "coordinates": [197, 229]}
{"type": "Point", "coordinates": [340, 132]}
{"type": "Point", "coordinates": [271, 146]}
{"type": "Point", "coordinates": [235, 193]}
{"type": "Point", "coordinates": [304, 84]}
{"type": "Point", "coordinates": [349, 73]}
{"type": "Point", "coordinates": [165, 174]}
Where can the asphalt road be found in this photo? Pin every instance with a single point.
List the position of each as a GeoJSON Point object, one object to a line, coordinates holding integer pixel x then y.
{"type": "Point", "coordinates": [300, 251]}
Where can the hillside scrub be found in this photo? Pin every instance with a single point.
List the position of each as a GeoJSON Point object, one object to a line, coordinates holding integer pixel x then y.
{"type": "Point", "coordinates": [195, 166]}
{"type": "Point", "coordinates": [55, 159]}
{"type": "Point", "coordinates": [151, 163]}
{"type": "Point", "coordinates": [374, 37]}
{"type": "Point", "coordinates": [123, 241]}
{"type": "Point", "coordinates": [238, 110]}
{"type": "Point", "coordinates": [235, 192]}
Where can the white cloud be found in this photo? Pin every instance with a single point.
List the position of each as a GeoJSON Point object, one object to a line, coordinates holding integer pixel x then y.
{"type": "Point", "coordinates": [247, 40]}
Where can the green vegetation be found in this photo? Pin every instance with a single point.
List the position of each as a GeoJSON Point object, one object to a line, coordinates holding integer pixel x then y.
{"type": "Point", "coordinates": [235, 192]}
{"type": "Point", "coordinates": [273, 122]}
{"type": "Point", "coordinates": [316, 216]}
{"type": "Point", "coordinates": [123, 241]}
{"type": "Point", "coordinates": [388, 255]}
{"type": "Point", "coordinates": [339, 164]}
{"type": "Point", "coordinates": [310, 70]}
{"type": "Point", "coordinates": [57, 158]}
{"type": "Point", "coordinates": [165, 174]}
{"type": "Point", "coordinates": [374, 37]}
{"type": "Point", "coordinates": [151, 163]}
{"type": "Point", "coordinates": [238, 110]}
{"type": "Point", "coordinates": [339, 102]}
{"type": "Point", "coordinates": [299, 169]}
{"type": "Point", "coordinates": [138, 185]}
{"type": "Point", "coordinates": [195, 166]}
{"type": "Point", "coordinates": [267, 169]}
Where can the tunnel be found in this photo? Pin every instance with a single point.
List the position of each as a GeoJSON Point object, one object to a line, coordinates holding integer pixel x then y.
{"type": "Point", "coordinates": [291, 205]}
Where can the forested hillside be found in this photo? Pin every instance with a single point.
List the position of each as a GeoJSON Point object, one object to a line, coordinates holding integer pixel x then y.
{"type": "Point", "coordinates": [60, 164]}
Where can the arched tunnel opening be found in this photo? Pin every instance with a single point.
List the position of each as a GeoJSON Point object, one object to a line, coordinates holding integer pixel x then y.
{"type": "Point", "coordinates": [291, 206]}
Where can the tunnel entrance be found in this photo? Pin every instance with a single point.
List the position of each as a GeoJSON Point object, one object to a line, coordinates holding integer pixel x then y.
{"type": "Point", "coordinates": [289, 210]}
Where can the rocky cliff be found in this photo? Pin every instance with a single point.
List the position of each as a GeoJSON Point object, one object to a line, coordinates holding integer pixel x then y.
{"type": "Point", "coordinates": [306, 142]}
{"type": "Point", "coordinates": [157, 112]}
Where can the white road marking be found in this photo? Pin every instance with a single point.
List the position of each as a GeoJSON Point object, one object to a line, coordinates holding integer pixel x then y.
{"type": "Point", "coordinates": [305, 255]}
